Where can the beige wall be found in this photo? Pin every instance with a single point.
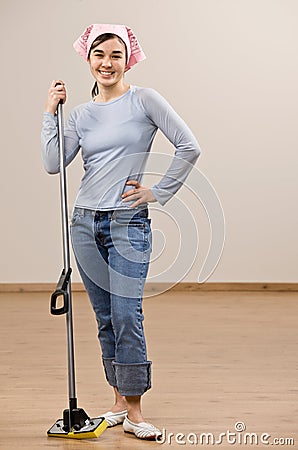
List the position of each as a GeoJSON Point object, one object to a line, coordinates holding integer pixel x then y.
{"type": "Point", "coordinates": [229, 67]}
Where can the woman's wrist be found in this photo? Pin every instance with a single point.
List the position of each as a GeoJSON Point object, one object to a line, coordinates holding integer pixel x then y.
{"type": "Point", "coordinates": [50, 109]}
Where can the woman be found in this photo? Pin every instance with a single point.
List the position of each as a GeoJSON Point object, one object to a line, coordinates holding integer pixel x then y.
{"type": "Point", "coordinates": [110, 228]}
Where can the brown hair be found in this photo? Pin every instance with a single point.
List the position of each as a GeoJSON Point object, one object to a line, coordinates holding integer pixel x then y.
{"type": "Point", "coordinates": [99, 40]}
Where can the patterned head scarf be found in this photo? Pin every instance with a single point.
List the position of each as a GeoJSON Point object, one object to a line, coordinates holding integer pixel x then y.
{"type": "Point", "coordinates": [135, 53]}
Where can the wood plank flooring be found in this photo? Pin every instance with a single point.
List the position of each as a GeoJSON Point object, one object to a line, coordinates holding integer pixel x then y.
{"type": "Point", "coordinates": [218, 359]}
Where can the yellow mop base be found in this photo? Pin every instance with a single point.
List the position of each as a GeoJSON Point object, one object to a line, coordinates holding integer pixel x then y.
{"type": "Point", "coordinates": [92, 430]}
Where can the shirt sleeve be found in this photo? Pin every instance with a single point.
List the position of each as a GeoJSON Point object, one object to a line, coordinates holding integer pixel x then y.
{"type": "Point", "coordinates": [187, 149]}
{"type": "Point", "coordinates": [50, 144]}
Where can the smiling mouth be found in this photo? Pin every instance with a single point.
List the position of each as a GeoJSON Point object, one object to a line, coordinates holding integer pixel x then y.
{"type": "Point", "coordinates": [103, 72]}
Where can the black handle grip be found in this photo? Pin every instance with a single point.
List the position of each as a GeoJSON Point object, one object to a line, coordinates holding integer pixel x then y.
{"type": "Point", "coordinates": [64, 309]}
{"type": "Point", "coordinates": [61, 291]}
{"type": "Point", "coordinates": [60, 101]}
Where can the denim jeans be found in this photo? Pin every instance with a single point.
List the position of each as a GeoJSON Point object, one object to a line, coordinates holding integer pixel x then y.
{"type": "Point", "coordinates": [112, 251]}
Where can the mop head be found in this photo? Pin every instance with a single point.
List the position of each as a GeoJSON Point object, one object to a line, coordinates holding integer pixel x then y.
{"type": "Point", "coordinates": [92, 429]}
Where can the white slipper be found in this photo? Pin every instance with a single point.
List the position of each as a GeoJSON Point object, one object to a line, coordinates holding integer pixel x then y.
{"type": "Point", "coordinates": [141, 430]}
{"type": "Point", "coordinates": [113, 419]}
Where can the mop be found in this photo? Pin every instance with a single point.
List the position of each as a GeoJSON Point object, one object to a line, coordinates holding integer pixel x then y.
{"type": "Point", "coordinates": [76, 424]}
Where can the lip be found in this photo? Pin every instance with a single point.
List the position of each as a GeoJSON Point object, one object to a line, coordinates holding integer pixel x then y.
{"type": "Point", "coordinates": [105, 73]}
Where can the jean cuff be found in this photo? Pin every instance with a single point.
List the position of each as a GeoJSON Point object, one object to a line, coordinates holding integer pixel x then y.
{"type": "Point", "coordinates": [133, 379]}
{"type": "Point", "coordinates": [109, 371]}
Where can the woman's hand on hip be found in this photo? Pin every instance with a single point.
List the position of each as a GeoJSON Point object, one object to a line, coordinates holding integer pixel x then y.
{"type": "Point", "coordinates": [139, 193]}
{"type": "Point", "coordinates": [56, 93]}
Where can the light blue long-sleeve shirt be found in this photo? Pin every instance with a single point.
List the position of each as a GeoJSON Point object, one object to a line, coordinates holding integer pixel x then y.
{"type": "Point", "coordinates": [115, 139]}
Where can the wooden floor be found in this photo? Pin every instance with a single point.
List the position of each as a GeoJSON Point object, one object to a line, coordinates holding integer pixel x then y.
{"type": "Point", "coordinates": [218, 359]}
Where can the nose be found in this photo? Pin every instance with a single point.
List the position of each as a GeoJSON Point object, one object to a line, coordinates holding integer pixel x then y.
{"type": "Point", "coordinates": [106, 62]}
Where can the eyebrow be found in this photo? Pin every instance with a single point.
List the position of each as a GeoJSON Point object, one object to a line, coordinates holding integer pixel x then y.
{"type": "Point", "coordinates": [114, 52]}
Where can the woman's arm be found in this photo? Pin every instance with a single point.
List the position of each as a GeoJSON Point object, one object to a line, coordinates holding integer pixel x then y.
{"type": "Point", "coordinates": [50, 144]}
{"type": "Point", "coordinates": [187, 149]}
{"type": "Point", "coordinates": [49, 133]}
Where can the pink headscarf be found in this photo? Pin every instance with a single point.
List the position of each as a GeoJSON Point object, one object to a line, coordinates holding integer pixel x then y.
{"type": "Point", "coordinates": [135, 53]}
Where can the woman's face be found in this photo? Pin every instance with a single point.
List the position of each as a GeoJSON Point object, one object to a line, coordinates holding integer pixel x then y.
{"type": "Point", "coordinates": [107, 62]}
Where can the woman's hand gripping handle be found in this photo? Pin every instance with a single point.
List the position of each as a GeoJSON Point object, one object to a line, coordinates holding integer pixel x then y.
{"type": "Point", "coordinates": [56, 94]}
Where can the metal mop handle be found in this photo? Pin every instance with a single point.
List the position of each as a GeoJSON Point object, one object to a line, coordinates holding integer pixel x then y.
{"type": "Point", "coordinates": [75, 423]}
{"type": "Point", "coordinates": [63, 288]}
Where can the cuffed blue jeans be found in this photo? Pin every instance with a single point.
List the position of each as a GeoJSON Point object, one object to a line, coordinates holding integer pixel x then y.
{"type": "Point", "coordinates": [112, 251]}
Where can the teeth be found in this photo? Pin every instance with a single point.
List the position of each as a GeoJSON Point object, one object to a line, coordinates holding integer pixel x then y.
{"type": "Point", "coordinates": [105, 73]}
